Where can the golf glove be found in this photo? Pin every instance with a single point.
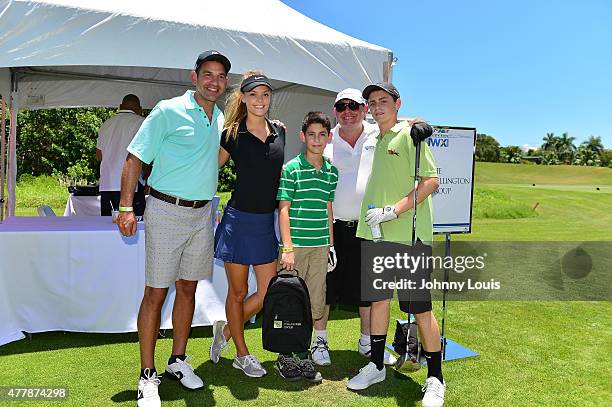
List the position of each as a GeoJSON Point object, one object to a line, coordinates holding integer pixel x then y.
{"type": "Point", "coordinates": [332, 260]}
{"type": "Point", "coordinates": [375, 216]}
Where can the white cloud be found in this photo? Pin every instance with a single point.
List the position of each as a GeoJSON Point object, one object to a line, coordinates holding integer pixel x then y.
{"type": "Point", "coordinates": [527, 147]}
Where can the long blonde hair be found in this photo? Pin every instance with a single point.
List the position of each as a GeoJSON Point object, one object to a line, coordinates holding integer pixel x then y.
{"type": "Point", "coordinates": [235, 110]}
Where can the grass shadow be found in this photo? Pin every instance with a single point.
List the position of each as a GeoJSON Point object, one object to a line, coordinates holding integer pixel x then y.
{"type": "Point", "coordinates": [346, 364]}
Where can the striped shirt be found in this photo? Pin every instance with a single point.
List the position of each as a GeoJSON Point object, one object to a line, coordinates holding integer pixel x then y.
{"type": "Point", "coordinates": [308, 190]}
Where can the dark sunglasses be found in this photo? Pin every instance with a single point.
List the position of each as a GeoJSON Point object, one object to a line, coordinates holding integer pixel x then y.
{"type": "Point", "coordinates": [341, 107]}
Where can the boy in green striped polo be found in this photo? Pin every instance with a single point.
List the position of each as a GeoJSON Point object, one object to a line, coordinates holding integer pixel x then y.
{"type": "Point", "coordinates": [305, 195]}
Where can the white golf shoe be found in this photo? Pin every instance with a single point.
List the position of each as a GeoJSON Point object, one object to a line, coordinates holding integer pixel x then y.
{"type": "Point", "coordinates": [434, 392]}
{"type": "Point", "coordinates": [368, 375]}
{"type": "Point", "coordinates": [148, 395]}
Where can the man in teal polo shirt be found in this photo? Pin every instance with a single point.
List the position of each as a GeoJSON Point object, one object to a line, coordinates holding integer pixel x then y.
{"type": "Point", "coordinates": [181, 136]}
{"type": "Point", "coordinates": [388, 204]}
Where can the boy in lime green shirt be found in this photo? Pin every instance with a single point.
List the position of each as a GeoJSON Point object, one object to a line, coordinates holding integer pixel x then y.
{"type": "Point", "coordinates": [390, 192]}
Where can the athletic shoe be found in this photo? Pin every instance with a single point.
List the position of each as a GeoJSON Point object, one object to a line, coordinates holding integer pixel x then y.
{"type": "Point", "coordinates": [287, 368]}
{"type": "Point", "coordinates": [182, 371]}
{"type": "Point", "coordinates": [218, 343]}
{"type": "Point", "coordinates": [368, 375]}
{"type": "Point", "coordinates": [434, 392]}
{"type": "Point", "coordinates": [365, 350]}
{"type": "Point", "coordinates": [308, 371]}
{"type": "Point", "coordinates": [250, 365]}
{"type": "Point", "coordinates": [147, 390]}
{"type": "Point", "coordinates": [320, 352]}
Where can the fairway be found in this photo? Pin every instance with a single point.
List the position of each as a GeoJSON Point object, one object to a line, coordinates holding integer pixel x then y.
{"type": "Point", "coordinates": [541, 353]}
{"type": "Point", "coordinates": [499, 173]}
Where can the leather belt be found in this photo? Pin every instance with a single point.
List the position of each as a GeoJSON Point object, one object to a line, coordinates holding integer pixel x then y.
{"type": "Point", "coordinates": [177, 201]}
{"type": "Point", "coordinates": [348, 223]}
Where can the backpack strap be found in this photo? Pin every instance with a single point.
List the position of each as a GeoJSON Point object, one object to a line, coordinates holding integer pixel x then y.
{"type": "Point", "coordinates": [283, 272]}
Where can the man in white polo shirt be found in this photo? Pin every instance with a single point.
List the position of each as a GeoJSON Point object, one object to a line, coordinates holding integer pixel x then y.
{"type": "Point", "coordinates": [113, 138]}
{"type": "Point", "coordinates": [351, 151]}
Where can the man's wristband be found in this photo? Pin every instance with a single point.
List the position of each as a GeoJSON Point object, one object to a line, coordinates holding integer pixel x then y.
{"type": "Point", "coordinates": [126, 209]}
{"type": "Point", "coordinates": [286, 249]}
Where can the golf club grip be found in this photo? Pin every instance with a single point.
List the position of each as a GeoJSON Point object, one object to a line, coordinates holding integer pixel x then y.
{"type": "Point", "coordinates": [419, 132]}
{"type": "Point", "coordinates": [415, 190]}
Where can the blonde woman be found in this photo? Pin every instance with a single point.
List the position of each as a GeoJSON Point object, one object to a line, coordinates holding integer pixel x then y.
{"type": "Point", "coordinates": [246, 233]}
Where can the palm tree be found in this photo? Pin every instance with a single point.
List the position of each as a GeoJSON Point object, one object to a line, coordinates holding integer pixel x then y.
{"type": "Point", "coordinates": [594, 144]}
{"type": "Point", "coordinates": [566, 148]}
{"type": "Point", "coordinates": [586, 156]}
{"type": "Point", "coordinates": [550, 142]}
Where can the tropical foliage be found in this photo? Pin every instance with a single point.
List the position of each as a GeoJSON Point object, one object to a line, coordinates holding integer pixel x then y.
{"type": "Point", "coordinates": [62, 142]}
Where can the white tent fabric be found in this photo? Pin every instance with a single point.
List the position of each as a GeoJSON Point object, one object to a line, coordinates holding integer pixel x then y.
{"type": "Point", "coordinates": [67, 53]}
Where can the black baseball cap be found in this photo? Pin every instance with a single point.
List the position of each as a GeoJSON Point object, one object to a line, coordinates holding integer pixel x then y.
{"type": "Point", "coordinates": [213, 55]}
{"type": "Point", "coordinates": [253, 81]}
{"type": "Point", "coordinates": [386, 86]}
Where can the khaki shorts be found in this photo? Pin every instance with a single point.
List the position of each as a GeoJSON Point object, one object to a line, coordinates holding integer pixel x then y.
{"type": "Point", "coordinates": [311, 266]}
{"type": "Point", "coordinates": [178, 243]}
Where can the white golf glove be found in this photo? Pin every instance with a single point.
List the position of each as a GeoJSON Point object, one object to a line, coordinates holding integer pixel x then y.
{"type": "Point", "coordinates": [375, 216]}
{"type": "Point", "coordinates": [332, 260]}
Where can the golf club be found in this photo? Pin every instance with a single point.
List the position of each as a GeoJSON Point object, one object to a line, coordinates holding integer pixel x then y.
{"type": "Point", "coordinates": [418, 133]}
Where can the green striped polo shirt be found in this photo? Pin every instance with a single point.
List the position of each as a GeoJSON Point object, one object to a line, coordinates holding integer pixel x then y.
{"type": "Point", "coordinates": [308, 190]}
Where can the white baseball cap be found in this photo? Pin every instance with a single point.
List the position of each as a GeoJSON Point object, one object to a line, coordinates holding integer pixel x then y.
{"type": "Point", "coordinates": [351, 94]}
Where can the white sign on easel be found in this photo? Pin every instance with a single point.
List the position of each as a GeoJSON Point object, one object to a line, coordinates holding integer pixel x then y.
{"type": "Point", "coordinates": [453, 150]}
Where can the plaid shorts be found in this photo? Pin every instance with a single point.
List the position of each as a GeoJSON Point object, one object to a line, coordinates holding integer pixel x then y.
{"type": "Point", "coordinates": [178, 243]}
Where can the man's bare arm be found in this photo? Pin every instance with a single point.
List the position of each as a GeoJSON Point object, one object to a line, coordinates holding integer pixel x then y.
{"type": "Point", "coordinates": [426, 187]}
{"type": "Point", "coordinates": [129, 177]}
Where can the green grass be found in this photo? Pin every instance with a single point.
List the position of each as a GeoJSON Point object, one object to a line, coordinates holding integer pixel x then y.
{"type": "Point", "coordinates": [492, 203]}
{"type": "Point", "coordinates": [32, 192]}
{"type": "Point", "coordinates": [503, 210]}
{"type": "Point", "coordinates": [498, 173]}
{"type": "Point", "coordinates": [531, 353]}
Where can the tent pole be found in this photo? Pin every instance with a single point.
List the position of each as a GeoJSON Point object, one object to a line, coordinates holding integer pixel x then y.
{"type": "Point", "coordinates": [12, 162]}
{"type": "Point", "coordinates": [2, 156]}
{"type": "Point", "coordinates": [11, 174]}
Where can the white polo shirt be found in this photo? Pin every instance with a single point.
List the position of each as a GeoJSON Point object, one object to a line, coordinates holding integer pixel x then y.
{"type": "Point", "coordinates": [354, 167]}
{"type": "Point", "coordinates": [115, 135]}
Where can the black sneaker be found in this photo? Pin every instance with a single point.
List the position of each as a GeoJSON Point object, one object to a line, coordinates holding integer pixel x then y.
{"type": "Point", "coordinates": [287, 368]}
{"type": "Point", "coordinates": [308, 371]}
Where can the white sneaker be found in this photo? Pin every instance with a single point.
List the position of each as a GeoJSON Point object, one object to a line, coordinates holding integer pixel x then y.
{"type": "Point", "coordinates": [147, 390]}
{"type": "Point", "coordinates": [182, 371]}
{"type": "Point", "coordinates": [368, 375]}
{"type": "Point", "coordinates": [364, 350]}
{"type": "Point", "coordinates": [218, 343]}
{"type": "Point", "coordinates": [320, 352]}
{"type": "Point", "coordinates": [434, 392]}
{"type": "Point", "coordinates": [250, 365]}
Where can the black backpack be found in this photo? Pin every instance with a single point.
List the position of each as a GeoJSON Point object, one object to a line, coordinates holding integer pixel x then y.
{"type": "Point", "coordinates": [287, 318]}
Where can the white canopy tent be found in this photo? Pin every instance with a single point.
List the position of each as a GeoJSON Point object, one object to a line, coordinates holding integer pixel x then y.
{"type": "Point", "coordinates": [70, 53]}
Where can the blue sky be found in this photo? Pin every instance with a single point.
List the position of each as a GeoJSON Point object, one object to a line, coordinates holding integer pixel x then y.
{"type": "Point", "coordinates": [513, 69]}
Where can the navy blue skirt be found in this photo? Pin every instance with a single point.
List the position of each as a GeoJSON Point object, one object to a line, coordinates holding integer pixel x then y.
{"type": "Point", "coordinates": [246, 238]}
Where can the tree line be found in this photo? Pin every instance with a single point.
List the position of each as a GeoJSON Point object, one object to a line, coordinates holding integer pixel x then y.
{"type": "Point", "coordinates": [62, 143]}
{"type": "Point", "coordinates": [555, 150]}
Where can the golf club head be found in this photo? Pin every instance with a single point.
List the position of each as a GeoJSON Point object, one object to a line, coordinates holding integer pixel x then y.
{"type": "Point", "coordinates": [419, 132]}
{"type": "Point", "coordinates": [407, 363]}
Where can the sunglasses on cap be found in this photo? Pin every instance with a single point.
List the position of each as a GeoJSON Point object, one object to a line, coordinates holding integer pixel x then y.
{"type": "Point", "coordinates": [341, 107]}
